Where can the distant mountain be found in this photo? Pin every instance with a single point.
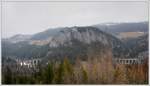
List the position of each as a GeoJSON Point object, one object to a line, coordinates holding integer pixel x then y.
{"type": "Point", "coordinates": [115, 28]}
{"type": "Point", "coordinates": [76, 42]}
{"type": "Point", "coordinates": [46, 34]}
{"type": "Point", "coordinates": [137, 45]}
{"type": "Point", "coordinates": [71, 42]}
{"type": "Point", "coordinates": [110, 28]}
{"type": "Point", "coordinates": [17, 38]}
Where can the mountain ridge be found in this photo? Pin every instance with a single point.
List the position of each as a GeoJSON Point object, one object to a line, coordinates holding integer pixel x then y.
{"type": "Point", "coordinates": [68, 41]}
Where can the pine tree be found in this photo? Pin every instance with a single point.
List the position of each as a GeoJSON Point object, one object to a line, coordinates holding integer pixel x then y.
{"type": "Point", "coordinates": [64, 72]}
{"type": "Point", "coordinates": [49, 74]}
{"type": "Point", "coordinates": [68, 71]}
{"type": "Point", "coordinates": [8, 76]}
{"type": "Point", "coordinates": [59, 74]}
{"type": "Point", "coordinates": [67, 67]}
{"type": "Point", "coordinates": [84, 75]}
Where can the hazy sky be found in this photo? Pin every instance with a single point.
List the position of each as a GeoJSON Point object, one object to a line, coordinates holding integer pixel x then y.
{"type": "Point", "coordinates": [33, 17]}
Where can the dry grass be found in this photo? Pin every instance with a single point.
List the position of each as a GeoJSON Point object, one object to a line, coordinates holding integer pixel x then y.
{"type": "Point", "coordinates": [125, 35]}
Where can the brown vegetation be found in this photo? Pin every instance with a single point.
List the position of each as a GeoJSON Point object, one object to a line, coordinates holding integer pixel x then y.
{"type": "Point", "coordinates": [92, 71]}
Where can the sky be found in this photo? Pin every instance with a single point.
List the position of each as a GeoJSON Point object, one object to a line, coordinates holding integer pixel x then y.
{"type": "Point", "coordinates": [34, 17]}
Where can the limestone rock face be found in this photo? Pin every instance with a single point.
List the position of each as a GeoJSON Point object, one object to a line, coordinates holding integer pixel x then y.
{"type": "Point", "coordinates": [82, 34]}
{"type": "Point", "coordinates": [66, 36]}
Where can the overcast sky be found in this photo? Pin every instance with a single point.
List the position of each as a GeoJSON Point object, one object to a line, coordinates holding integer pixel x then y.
{"type": "Point", "coordinates": [33, 17]}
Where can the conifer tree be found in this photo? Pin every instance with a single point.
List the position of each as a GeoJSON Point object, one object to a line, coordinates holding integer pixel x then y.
{"type": "Point", "coordinates": [8, 76]}
{"type": "Point", "coordinates": [59, 74]}
{"type": "Point", "coordinates": [84, 75]}
{"type": "Point", "coordinates": [49, 74]}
